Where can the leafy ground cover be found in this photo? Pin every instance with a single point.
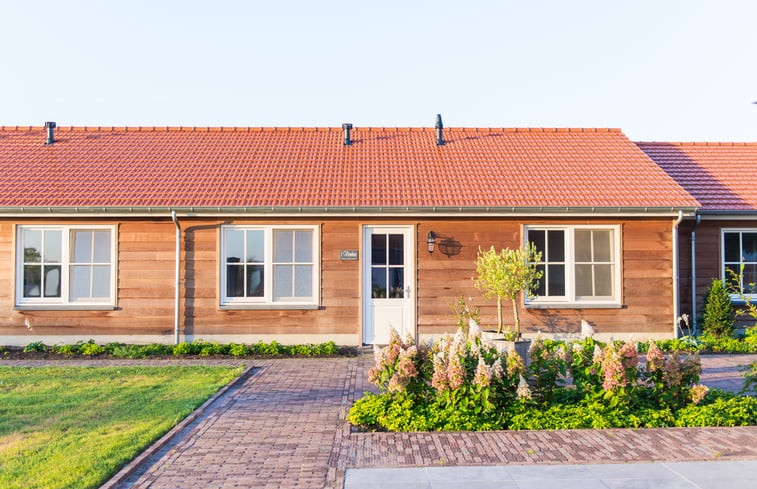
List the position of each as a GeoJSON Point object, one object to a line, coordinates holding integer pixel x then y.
{"type": "Point", "coordinates": [76, 426]}
{"type": "Point", "coordinates": [197, 348]}
{"type": "Point", "coordinates": [463, 383]}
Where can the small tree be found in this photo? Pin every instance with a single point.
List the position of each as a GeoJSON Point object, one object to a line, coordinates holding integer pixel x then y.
{"type": "Point", "coordinates": [719, 315]}
{"type": "Point", "coordinates": [505, 275]}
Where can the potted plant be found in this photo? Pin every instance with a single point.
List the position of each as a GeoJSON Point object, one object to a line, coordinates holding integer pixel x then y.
{"type": "Point", "coordinates": [504, 275]}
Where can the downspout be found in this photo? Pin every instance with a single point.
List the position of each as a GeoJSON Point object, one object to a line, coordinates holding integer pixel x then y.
{"type": "Point", "coordinates": [675, 274]}
{"type": "Point", "coordinates": [694, 274]}
{"type": "Point", "coordinates": [177, 305]}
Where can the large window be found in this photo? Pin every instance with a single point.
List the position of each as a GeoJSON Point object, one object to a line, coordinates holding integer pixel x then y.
{"type": "Point", "coordinates": [740, 259]}
{"type": "Point", "coordinates": [65, 266]}
{"type": "Point", "coordinates": [269, 265]}
{"type": "Point", "coordinates": [579, 265]}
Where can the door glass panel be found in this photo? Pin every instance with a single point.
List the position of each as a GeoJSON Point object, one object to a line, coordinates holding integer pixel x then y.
{"type": "Point", "coordinates": [234, 281]}
{"type": "Point", "coordinates": [100, 279]}
{"type": "Point", "coordinates": [283, 247]}
{"type": "Point", "coordinates": [396, 283]}
{"type": "Point", "coordinates": [303, 281]}
{"type": "Point", "coordinates": [303, 246]}
{"type": "Point", "coordinates": [556, 243]}
{"type": "Point", "coordinates": [732, 246]}
{"type": "Point", "coordinates": [537, 238]}
{"type": "Point", "coordinates": [79, 282]}
{"type": "Point", "coordinates": [583, 280]}
{"type": "Point", "coordinates": [32, 246]}
{"type": "Point", "coordinates": [234, 246]}
{"type": "Point", "coordinates": [102, 247]}
{"type": "Point", "coordinates": [255, 282]}
{"type": "Point", "coordinates": [396, 249]}
{"type": "Point", "coordinates": [378, 282]}
{"type": "Point", "coordinates": [556, 286]}
{"type": "Point", "coordinates": [378, 249]}
{"type": "Point", "coordinates": [602, 246]}
{"type": "Point", "coordinates": [32, 280]}
{"type": "Point", "coordinates": [542, 288]}
{"type": "Point", "coordinates": [583, 245]}
{"type": "Point", "coordinates": [603, 280]}
{"type": "Point", "coordinates": [749, 246]}
{"type": "Point", "coordinates": [282, 281]}
{"type": "Point", "coordinates": [52, 246]}
{"type": "Point", "coordinates": [255, 247]}
{"type": "Point", "coordinates": [82, 246]}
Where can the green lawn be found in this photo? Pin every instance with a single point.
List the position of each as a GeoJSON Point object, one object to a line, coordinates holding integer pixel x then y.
{"type": "Point", "coordinates": [76, 426]}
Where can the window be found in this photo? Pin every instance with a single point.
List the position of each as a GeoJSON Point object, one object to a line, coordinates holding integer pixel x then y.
{"type": "Point", "coordinates": [269, 265]}
{"type": "Point", "coordinates": [65, 266]}
{"type": "Point", "coordinates": [579, 265]}
{"type": "Point", "coordinates": [740, 259]}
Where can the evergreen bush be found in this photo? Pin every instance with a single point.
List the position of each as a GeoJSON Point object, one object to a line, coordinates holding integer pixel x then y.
{"type": "Point", "coordinates": [719, 316]}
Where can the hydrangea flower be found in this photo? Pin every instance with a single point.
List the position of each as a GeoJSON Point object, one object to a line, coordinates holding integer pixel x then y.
{"type": "Point", "coordinates": [586, 330]}
{"type": "Point", "coordinates": [697, 393]}
{"type": "Point", "coordinates": [629, 355]}
{"type": "Point", "coordinates": [613, 374]}
{"type": "Point", "coordinates": [655, 358]}
{"type": "Point", "coordinates": [455, 372]}
{"type": "Point", "coordinates": [514, 364]}
{"type": "Point", "coordinates": [483, 375]}
{"type": "Point", "coordinates": [474, 332]}
{"type": "Point", "coordinates": [439, 380]}
{"type": "Point", "coordinates": [497, 371]}
{"type": "Point", "coordinates": [523, 392]}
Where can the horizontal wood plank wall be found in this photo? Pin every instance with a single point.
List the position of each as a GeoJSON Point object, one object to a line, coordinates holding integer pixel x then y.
{"type": "Point", "coordinates": [647, 269]}
{"type": "Point", "coordinates": [708, 257]}
{"type": "Point", "coordinates": [146, 294]}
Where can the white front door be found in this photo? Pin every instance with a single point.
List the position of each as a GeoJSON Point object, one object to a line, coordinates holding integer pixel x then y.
{"type": "Point", "coordinates": [388, 282]}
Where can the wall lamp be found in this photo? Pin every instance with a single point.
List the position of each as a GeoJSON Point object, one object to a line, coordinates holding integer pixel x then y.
{"type": "Point", "coordinates": [430, 241]}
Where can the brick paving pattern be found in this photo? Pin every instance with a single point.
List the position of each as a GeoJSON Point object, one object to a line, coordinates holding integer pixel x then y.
{"type": "Point", "coordinates": [285, 427]}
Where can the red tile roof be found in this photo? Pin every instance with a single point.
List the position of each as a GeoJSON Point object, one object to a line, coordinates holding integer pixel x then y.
{"type": "Point", "coordinates": [721, 176]}
{"type": "Point", "coordinates": [311, 167]}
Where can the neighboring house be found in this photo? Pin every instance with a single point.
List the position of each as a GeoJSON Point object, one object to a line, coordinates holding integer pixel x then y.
{"type": "Point", "coordinates": [723, 234]}
{"type": "Point", "coordinates": [316, 234]}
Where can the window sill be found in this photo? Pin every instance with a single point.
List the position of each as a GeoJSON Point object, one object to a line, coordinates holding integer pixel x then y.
{"type": "Point", "coordinates": [65, 307]}
{"type": "Point", "coordinates": [573, 305]}
{"type": "Point", "coordinates": [252, 307]}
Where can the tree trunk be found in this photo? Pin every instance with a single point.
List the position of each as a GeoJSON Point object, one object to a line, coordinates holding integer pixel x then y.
{"type": "Point", "coordinates": [499, 314]}
{"type": "Point", "coordinates": [517, 320]}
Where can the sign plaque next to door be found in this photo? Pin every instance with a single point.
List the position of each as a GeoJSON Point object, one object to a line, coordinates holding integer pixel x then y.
{"type": "Point", "coordinates": [348, 255]}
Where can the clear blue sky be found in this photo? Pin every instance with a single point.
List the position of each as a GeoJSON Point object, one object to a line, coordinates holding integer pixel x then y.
{"type": "Point", "coordinates": [659, 70]}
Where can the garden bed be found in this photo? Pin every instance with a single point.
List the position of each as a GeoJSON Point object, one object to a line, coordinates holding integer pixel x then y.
{"type": "Point", "coordinates": [195, 350]}
{"type": "Point", "coordinates": [462, 383]}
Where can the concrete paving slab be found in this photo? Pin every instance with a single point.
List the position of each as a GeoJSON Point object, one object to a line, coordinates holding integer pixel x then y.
{"type": "Point", "coordinates": [462, 474]}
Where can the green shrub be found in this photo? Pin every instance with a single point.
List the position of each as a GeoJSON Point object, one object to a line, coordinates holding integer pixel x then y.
{"type": "Point", "coordinates": [65, 349]}
{"type": "Point", "coordinates": [719, 315]}
{"type": "Point", "coordinates": [182, 349]}
{"type": "Point", "coordinates": [36, 346]}
{"type": "Point", "coordinates": [91, 348]}
{"type": "Point", "coordinates": [238, 350]}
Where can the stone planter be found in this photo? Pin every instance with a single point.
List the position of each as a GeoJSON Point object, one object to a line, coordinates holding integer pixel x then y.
{"type": "Point", "coordinates": [520, 347]}
{"type": "Point", "coordinates": [492, 334]}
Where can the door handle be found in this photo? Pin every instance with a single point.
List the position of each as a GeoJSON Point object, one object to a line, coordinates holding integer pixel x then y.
{"type": "Point", "coordinates": [407, 292]}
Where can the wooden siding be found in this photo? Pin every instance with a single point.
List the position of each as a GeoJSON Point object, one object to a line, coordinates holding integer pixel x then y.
{"type": "Point", "coordinates": [145, 291]}
{"type": "Point", "coordinates": [708, 260]}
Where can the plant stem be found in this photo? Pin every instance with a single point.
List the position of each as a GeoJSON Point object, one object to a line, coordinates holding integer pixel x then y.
{"type": "Point", "coordinates": [517, 319]}
{"type": "Point", "coordinates": [499, 314]}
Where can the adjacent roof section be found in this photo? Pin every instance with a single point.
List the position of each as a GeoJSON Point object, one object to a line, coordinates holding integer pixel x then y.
{"type": "Point", "coordinates": [229, 167]}
{"type": "Point", "coordinates": [721, 176]}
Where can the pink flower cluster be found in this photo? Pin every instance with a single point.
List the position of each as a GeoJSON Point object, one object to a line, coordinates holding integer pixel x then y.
{"type": "Point", "coordinates": [483, 375]}
{"type": "Point", "coordinates": [655, 358]}
{"type": "Point", "coordinates": [613, 373]}
{"type": "Point", "coordinates": [396, 362]}
{"type": "Point", "coordinates": [697, 393]}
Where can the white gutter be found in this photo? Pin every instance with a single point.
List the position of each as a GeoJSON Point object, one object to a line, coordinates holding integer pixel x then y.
{"type": "Point", "coordinates": [177, 305]}
{"type": "Point", "coordinates": [694, 274]}
{"type": "Point", "coordinates": [675, 274]}
{"type": "Point", "coordinates": [338, 211]}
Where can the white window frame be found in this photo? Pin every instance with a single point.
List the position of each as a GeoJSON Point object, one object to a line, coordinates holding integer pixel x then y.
{"type": "Point", "coordinates": [267, 301]}
{"type": "Point", "coordinates": [570, 299]}
{"type": "Point", "coordinates": [64, 301]}
{"type": "Point", "coordinates": [723, 276]}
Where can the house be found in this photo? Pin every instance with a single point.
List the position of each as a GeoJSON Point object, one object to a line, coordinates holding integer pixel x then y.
{"type": "Point", "coordinates": [722, 235]}
{"type": "Point", "coordinates": [317, 234]}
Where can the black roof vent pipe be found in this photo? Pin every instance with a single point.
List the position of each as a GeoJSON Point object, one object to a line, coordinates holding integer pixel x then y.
{"type": "Point", "coordinates": [49, 126]}
{"type": "Point", "coordinates": [439, 130]}
{"type": "Point", "coordinates": [347, 127]}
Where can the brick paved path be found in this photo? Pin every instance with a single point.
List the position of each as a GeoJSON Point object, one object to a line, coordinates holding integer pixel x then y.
{"type": "Point", "coordinates": [284, 427]}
